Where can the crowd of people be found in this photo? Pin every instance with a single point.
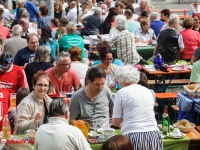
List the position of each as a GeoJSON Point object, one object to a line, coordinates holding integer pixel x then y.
{"type": "Point", "coordinates": [42, 56]}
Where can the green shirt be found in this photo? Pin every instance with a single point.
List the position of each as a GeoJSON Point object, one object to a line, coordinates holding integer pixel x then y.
{"type": "Point", "coordinates": [69, 40]}
{"type": "Point", "coordinates": [195, 73]}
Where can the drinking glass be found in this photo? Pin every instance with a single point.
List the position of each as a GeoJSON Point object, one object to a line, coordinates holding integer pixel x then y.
{"type": "Point", "coordinates": [94, 124]}
{"type": "Point", "coordinates": [13, 99]}
{"type": "Point", "coordinates": [63, 94]}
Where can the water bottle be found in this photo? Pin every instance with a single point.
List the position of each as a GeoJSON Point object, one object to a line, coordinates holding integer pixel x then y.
{"type": "Point", "coordinates": [6, 128]}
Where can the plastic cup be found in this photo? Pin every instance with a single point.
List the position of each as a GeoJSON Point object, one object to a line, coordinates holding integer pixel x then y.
{"type": "Point", "coordinates": [63, 94]}
{"type": "Point", "coordinates": [13, 99]}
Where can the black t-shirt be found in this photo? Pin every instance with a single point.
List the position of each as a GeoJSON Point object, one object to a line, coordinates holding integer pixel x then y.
{"type": "Point", "coordinates": [58, 15]}
{"type": "Point", "coordinates": [34, 67]}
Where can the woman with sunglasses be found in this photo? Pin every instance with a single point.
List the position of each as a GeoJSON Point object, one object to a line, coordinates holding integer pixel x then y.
{"type": "Point", "coordinates": [33, 109]}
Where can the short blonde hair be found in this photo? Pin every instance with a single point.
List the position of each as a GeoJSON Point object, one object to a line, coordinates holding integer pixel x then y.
{"type": "Point", "coordinates": [59, 4]}
{"type": "Point", "coordinates": [71, 27]}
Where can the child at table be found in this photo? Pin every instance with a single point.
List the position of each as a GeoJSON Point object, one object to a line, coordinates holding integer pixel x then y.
{"type": "Point", "coordinates": [21, 93]}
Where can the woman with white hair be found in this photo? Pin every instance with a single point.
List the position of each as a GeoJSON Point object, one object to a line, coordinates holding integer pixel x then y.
{"type": "Point", "coordinates": [172, 16]}
{"type": "Point", "coordinates": [133, 108]}
{"type": "Point", "coordinates": [71, 39]}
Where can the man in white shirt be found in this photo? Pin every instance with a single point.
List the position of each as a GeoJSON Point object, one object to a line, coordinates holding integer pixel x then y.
{"type": "Point", "coordinates": [133, 3]}
{"type": "Point", "coordinates": [58, 134]}
{"type": "Point", "coordinates": [71, 15]}
{"type": "Point", "coordinates": [83, 12]}
{"type": "Point", "coordinates": [109, 4]}
{"type": "Point", "coordinates": [141, 8]}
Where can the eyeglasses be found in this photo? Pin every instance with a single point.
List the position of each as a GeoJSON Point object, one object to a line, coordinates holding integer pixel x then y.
{"type": "Point", "coordinates": [66, 64]}
{"type": "Point", "coordinates": [41, 85]}
{"type": "Point", "coordinates": [108, 59]}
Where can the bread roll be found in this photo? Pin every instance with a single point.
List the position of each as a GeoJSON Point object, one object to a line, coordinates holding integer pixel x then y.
{"type": "Point", "coordinates": [191, 86]}
{"type": "Point", "coordinates": [31, 135]}
{"type": "Point", "coordinates": [188, 125]}
{"type": "Point", "coordinates": [180, 126]}
{"type": "Point", "coordinates": [183, 122]}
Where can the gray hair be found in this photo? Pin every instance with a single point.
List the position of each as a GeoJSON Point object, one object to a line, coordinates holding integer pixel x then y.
{"type": "Point", "coordinates": [172, 22]}
{"type": "Point", "coordinates": [16, 30]}
{"type": "Point", "coordinates": [60, 56]}
{"type": "Point", "coordinates": [174, 16]}
{"type": "Point", "coordinates": [155, 15]}
{"type": "Point", "coordinates": [71, 27]}
{"type": "Point", "coordinates": [97, 11]}
{"type": "Point", "coordinates": [127, 74]}
{"type": "Point", "coordinates": [41, 54]}
{"type": "Point", "coordinates": [21, 10]}
{"type": "Point", "coordinates": [121, 22]}
{"type": "Point", "coordinates": [20, 1]}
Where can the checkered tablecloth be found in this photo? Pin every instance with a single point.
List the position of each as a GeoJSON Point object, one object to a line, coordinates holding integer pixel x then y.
{"type": "Point", "coordinates": [188, 104]}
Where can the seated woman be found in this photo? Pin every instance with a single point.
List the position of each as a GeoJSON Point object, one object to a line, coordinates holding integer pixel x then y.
{"type": "Point", "coordinates": [191, 39]}
{"type": "Point", "coordinates": [47, 40]}
{"type": "Point", "coordinates": [71, 39]}
{"type": "Point", "coordinates": [41, 61]}
{"type": "Point", "coordinates": [76, 65]}
{"type": "Point", "coordinates": [196, 25]}
{"type": "Point", "coordinates": [133, 107]}
{"type": "Point", "coordinates": [107, 56]}
{"type": "Point", "coordinates": [145, 33]}
{"type": "Point", "coordinates": [109, 21]}
{"type": "Point", "coordinates": [33, 109]}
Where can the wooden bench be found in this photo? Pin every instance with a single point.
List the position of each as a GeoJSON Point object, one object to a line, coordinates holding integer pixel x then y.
{"type": "Point", "coordinates": [175, 81]}
{"type": "Point", "coordinates": [175, 109]}
{"type": "Point", "coordinates": [174, 10]}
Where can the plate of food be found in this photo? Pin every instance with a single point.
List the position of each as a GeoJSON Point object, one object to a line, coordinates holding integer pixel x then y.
{"type": "Point", "coordinates": [178, 68]}
{"type": "Point", "coordinates": [171, 135]}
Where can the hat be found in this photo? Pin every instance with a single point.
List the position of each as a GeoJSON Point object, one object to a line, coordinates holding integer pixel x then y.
{"type": "Point", "coordinates": [144, 14]}
{"type": "Point", "coordinates": [5, 60]}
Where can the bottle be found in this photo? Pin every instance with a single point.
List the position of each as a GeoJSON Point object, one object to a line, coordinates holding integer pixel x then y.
{"type": "Point", "coordinates": [165, 121]}
{"type": "Point", "coordinates": [6, 128]}
{"type": "Point", "coordinates": [184, 13]}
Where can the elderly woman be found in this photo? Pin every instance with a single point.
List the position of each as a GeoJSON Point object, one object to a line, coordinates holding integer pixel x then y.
{"type": "Point", "coordinates": [76, 65]}
{"type": "Point", "coordinates": [33, 109]}
{"type": "Point", "coordinates": [191, 39]}
{"type": "Point", "coordinates": [92, 23]}
{"type": "Point", "coordinates": [71, 39]}
{"type": "Point", "coordinates": [47, 40]}
{"type": "Point", "coordinates": [196, 25]}
{"type": "Point", "coordinates": [133, 107]}
{"type": "Point", "coordinates": [145, 33]}
{"type": "Point", "coordinates": [41, 61]}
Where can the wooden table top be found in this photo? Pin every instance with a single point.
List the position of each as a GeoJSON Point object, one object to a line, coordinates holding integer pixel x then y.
{"type": "Point", "coordinates": [194, 135]}
{"type": "Point", "coordinates": [170, 71]}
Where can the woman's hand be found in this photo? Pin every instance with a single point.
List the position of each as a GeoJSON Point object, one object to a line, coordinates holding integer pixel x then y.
{"type": "Point", "coordinates": [38, 116]}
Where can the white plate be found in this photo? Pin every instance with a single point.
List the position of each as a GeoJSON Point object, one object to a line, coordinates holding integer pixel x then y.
{"type": "Point", "coordinates": [177, 68]}
{"type": "Point", "coordinates": [175, 137]}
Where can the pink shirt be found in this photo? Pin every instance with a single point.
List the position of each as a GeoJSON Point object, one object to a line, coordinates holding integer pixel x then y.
{"type": "Point", "coordinates": [4, 32]}
{"type": "Point", "coordinates": [70, 79]}
{"type": "Point", "coordinates": [191, 40]}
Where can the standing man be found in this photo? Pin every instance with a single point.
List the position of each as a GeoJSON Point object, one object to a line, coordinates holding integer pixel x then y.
{"type": "Point", "coordinates": [63, 78]}
{"type": "Point", "coordinates": [93, 102]}
{"type": "Point", "coordinates": [31, 8]}
{"type": "Point", "coordinates": [12, 45]}
{"type": "Point", "coordinates": [12, 77]}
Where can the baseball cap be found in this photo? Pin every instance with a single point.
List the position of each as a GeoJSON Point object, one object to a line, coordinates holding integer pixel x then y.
{"type": "Point", "coordinates": [144, 14]}
{"type": "Point", "coordinates": [5, 60]}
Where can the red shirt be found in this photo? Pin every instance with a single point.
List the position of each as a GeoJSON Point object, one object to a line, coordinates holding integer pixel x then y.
{"type": "Point", "coordinates": [4, 32]}
{"type": "Point", "coordinates": [5, 100]}
{"type": "Point", "coordinates": [13, 79]}
{"type": "Point", "coordinates": [70, 79]}
{"type": "Point", "coordinates": [191, 40]}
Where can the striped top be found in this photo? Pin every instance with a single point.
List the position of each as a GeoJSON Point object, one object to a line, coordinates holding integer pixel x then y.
{"type": "Point", "coordinates": [125, 46]}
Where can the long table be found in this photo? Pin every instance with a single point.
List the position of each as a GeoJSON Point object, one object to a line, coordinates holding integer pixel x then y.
{"type": "Point", "coordinates": [145, 51]}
